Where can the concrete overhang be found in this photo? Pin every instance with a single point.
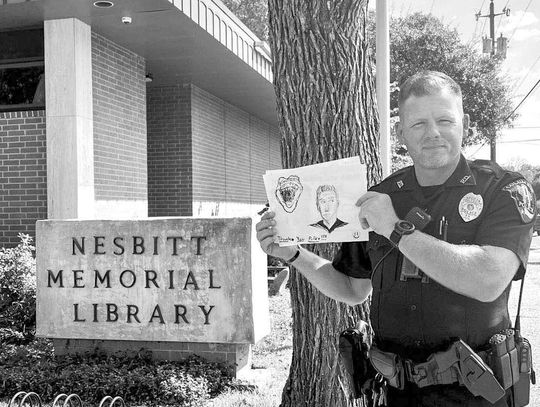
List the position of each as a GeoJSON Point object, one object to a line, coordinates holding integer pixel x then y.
{"type": "Point", "coordinates": [194, 41]}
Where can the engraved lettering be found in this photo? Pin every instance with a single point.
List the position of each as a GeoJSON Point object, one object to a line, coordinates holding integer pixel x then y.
{"type": "Point", "coordinates": [77, 278]}
{"type": "Point", "coordinates": [190, 279]}
{"type": "Point", "coordinates": [180, 312]}
{"type": "Point", "coordinates": [133, 278]}
{"type": "Point", "coordinates": [206, 313]}
{"type": "Point", "coordinates": [79, 246]}
{"type": "Point", "coordinates": [55, 279]}
{"type": "Point", "coordinates": [98, 244]}
{"type": "Point", "coordinates": [117, 242]}
{"type": "Point", "coordinates": [157, 314]}
{"type": "Point", "coordinates": [76, 314]}
{"type": "Point", "coordinates": [132, 311]}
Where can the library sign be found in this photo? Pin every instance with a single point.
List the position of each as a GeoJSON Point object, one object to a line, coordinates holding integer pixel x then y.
{"type": "Point", "coordinates": [164, 279]}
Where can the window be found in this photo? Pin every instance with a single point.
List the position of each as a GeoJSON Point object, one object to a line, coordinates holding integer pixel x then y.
{"type": "Point", "coordinates": [22, 80]}
{"type": "Point", "coordinates": [22, 86]}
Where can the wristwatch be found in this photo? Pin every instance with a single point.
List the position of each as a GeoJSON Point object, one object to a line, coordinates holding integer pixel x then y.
{"type": "Point", "coordinates": [401, 228]}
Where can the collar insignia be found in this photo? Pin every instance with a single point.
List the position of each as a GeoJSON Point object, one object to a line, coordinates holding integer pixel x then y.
{"type": "Point", "coordinates": [400, 184]}
{"type": "Point", "coordinates": [465, 179]}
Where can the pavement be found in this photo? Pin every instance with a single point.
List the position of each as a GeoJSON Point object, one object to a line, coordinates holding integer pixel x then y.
{"type": "Point", "coordinates": [530, 311]}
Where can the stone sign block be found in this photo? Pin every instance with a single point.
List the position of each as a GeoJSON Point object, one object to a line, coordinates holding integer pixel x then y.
{"type": "Point", "coordinates": [160, 279]}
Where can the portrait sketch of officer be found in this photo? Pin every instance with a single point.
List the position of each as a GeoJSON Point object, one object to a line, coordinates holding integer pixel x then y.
{"type": "Point", "coordinates": [327, 201]}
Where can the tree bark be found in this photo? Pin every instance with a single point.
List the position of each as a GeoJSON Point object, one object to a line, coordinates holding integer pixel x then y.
{"type": "Point", "coordinates": [327, 110]}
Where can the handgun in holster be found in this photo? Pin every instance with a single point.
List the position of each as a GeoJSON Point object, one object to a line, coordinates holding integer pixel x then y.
{"type": "Point", "coordinates": [354, 344]}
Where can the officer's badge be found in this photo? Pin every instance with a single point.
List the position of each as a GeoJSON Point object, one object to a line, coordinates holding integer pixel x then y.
{"type": "Point", "coordinates": [523, 196]}
{"type": "Point", "coordinates": [470, 206]}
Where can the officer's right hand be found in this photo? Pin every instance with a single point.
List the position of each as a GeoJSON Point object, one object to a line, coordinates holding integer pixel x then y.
{"type": "Point", "coordinates": [266, 234]}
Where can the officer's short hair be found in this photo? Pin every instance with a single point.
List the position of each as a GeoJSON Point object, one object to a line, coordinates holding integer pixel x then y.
{"type": "Point", "coordinates": [326, 188]}
{"type": "Point", "coordinates": [427, 83]}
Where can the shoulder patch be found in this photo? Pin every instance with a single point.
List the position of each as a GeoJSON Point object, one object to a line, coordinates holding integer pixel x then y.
{"type": "Point", "coordinates": [523, 195]}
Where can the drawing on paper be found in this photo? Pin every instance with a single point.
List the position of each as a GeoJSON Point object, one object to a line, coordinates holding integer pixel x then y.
{"type": "Point", "coordinates": [288, 192]}
{"type": "Point", "coordinates": [327, 202]}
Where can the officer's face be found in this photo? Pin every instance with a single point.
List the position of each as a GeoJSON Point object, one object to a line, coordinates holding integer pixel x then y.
{"type": "Point", "coordinates": [328, 205]}
{"type": "Point", "coordinates": [432, 127]}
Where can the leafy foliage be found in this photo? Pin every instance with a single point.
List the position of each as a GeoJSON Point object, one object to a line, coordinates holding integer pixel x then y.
{"type": "Point", "coordinates": [253, 13]}
{"type": "Point", "coordinates": [93, 376]}
{"type": "Point", "coordinates": [530, 172]}
{"type": "Point", "coordinates": [17, 291]}
{"type": "Point", "coordinates": [423, 42]}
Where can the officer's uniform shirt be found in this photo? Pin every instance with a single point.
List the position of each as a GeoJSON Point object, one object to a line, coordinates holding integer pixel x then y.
{"type": "Point", "coordinates": [483, 205]}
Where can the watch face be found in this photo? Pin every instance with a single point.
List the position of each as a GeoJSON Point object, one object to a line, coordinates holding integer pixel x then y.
{"type": "Point", "coordinates": [405, 226]}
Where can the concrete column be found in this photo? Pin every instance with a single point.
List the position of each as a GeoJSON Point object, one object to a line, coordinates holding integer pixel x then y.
{"type": "Point", "coordinates": [69, 113]}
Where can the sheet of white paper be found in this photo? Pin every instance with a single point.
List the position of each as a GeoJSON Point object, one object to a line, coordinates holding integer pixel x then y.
{"type": "Point", "coordinates": [316, 203]}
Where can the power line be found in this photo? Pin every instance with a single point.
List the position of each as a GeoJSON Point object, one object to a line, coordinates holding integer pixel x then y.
{"type": "Point", "coordinates": [527, 74]}
{"type": "Point", "coordinates": [479, 12]}
{"type": "Point", "coordinates": [522, 100]}
{"type": "Point", "coordinates": [519, 141]}
{"type": "Point", "coordinates": [519, 22]}
{"type": "Point", "coordinates": [479, 148]}
{"type": "Point", "coordinates": [431, 9]}
{"type": "Point", "coordinates": [500, 19]}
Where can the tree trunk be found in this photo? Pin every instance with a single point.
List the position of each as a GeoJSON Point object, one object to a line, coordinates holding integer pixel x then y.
{"type": "Point", "coordinates": [326, 105]}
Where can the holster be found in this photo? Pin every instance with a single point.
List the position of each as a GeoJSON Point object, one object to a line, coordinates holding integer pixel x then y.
{"type": "Point", "coordinates": [354, 344]}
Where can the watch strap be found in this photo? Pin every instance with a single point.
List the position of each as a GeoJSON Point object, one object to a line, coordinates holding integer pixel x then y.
{"type": "Point", "coordinates": [293, 258]}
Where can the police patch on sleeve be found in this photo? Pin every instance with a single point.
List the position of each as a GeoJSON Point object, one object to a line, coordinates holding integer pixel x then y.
{"type": "Point", "coordinates": [523, 196]}
{"type": "Point", "coordinates": [470, 206]}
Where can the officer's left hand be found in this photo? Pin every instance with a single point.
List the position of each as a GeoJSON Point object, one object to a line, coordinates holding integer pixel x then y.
{"type": "Point", "coordinates": [377, 212]}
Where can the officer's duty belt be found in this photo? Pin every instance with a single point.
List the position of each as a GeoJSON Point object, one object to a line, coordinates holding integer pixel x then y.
{"type": "Point", "coordinates": [459, 364]}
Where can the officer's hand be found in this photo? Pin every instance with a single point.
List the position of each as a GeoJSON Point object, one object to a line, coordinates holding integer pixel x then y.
{"type": "Point", "coordinates": [266, 234]}
{"type": "Point", "coordinates": [377, 212]}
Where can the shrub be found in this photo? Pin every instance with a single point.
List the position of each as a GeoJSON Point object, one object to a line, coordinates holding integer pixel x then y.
{"type": "Point", "coordinates": [136, 379]}
{"type": "Point", "coordinates": [17, 291]}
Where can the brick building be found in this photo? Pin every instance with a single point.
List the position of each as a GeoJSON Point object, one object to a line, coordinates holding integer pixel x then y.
{"type": "Point", "coordinates": [168, 112]}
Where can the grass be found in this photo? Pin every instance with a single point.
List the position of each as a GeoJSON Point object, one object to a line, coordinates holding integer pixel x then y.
{"type": "Point", "coordinates": [271, 361]}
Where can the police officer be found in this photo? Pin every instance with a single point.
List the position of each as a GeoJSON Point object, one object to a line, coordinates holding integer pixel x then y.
{"type": "Point", "coordinates": [450, 280]}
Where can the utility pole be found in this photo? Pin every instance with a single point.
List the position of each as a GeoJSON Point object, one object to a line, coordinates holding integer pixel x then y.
{"type": "Point", "coordinates": [490, 47]}
{"type": "Point", "coordinates": [383, 85]}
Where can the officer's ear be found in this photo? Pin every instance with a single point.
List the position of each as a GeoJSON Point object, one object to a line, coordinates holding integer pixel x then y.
{"type": "Point", "coordinates": [398, 130]}
{"type": "Point", "coordinates": [466, 124]}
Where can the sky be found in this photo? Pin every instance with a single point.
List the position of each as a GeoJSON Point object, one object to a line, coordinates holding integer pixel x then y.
{"type": "Point", "coordinates": [522, 64]}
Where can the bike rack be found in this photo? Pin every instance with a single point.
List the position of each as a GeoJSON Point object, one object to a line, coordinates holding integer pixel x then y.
{"type": "Point", "coordinates": [29, 397]}
{"type": "Point", "coordinates": [62, 400]}
{"type": "Point", "coordinates": [113, 401]}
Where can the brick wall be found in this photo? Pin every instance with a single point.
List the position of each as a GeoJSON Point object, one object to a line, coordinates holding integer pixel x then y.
{"type": "Point", "coordinates": [231, 151]}
{"type": "Point", "coordinates": [23, 174]}
{"type": "Point", "coordinates": [169, 151]}
{"type": "Point", "coordinates": [119, 91]}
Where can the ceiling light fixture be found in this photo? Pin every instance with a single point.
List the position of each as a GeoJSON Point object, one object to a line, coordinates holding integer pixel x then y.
{"type": "Point", "coordinates": [103, 4]}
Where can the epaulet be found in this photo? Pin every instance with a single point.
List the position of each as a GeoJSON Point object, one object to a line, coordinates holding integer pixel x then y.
{"type": "Point", "coordinates": [381, 186]}
{"type": "Point", "coordinates": [489, 167]}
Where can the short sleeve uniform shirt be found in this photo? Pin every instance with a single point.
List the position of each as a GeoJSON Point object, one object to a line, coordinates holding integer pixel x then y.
{"type": "Point", "coordinates": [482, 204]}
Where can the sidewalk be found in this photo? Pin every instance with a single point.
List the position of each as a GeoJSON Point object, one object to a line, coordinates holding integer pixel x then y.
{"type": "Point", "coordinates": [530, 311]}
